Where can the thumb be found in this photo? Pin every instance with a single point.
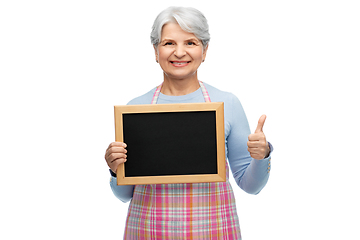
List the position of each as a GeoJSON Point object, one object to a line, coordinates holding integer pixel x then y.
{"type": "Point", "coordinates": [260, 125]}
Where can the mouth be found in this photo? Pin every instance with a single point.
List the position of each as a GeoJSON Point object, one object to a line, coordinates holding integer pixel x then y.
{"type": "Point", "coordinates": [179, 63]}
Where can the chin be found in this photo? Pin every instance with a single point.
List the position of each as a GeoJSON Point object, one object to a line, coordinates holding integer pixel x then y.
{"type": "Point", "coordinates": [180, 76]}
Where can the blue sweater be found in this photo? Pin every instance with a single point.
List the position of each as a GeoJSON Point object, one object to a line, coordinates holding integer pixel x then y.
{"type": "Point", "coordinates": [250, 174]}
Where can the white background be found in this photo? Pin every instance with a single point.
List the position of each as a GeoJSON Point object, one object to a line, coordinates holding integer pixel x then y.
{"type": "Point", "coordinates": [65, 64]}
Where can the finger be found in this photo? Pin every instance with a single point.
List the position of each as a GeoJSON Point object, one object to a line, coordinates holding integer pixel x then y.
{"type": "Point", "coordinates": [259, 150]}
{"type": "Point", "coordinates": [257, 137]}
{"type": "Point", "coordinates": [112, 146]}
{"type": "Point", "coordinates": [255, 144]}
{"type": "Point", "coordinates": [260, 125]}
{"type": "Point", "coordinates": [115, 156]}
{"type": "Point", "coordinates": [114, 150]}
{"type": "Point", "coordinates": [117, 144]}
{"type": "Point", "coordinates": [253, 150]}
{"type": "Point", "coordinates": [258, 153]}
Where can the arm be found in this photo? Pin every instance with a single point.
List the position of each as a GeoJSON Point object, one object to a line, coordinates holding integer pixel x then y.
{"type": "Point", "coordinates": [114, 156]}
{"type": "Point", "coordinates": [123, 193]}
{"type": "Point", "coordinates": [250, 174]}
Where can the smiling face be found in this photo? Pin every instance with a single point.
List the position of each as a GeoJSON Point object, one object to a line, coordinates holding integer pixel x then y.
{"type": "Point", "coordinates": [179, 53]}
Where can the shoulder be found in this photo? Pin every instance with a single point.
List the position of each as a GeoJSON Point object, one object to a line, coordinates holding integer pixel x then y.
{"type": "Point", "coordinates": [217, 95]}
{"type": "Point", "coordinates": [233, 108]}
{"type": "Point", "coordinates": [143, 99]}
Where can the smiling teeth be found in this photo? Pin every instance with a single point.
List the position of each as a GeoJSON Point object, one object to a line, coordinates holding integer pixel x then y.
{"type": "Point", "coordinates": [179, 63]}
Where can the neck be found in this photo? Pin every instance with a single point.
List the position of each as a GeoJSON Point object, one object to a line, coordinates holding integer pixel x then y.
{"type": "Point", "coordinates": [178, 87]}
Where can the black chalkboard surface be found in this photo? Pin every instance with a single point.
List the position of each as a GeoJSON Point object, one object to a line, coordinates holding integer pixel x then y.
{"type": "Point", "coordinates": [171, 143]}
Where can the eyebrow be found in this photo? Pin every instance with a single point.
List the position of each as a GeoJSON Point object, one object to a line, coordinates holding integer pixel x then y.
{"type": "Point", "coordinates": [187, 40]}
{"type": "Point", "coordinates": [193, 39]}
{"type": "Point", "coordinates": [166, 39]}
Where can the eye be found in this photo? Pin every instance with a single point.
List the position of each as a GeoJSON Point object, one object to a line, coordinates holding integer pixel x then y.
{"type": "Point", "coordinates": [191, 43]}
{"type": "Point", "coordinates": [168, 43]}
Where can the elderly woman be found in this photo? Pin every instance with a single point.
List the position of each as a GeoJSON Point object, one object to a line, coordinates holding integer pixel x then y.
{"type": "Point", "coordinates": [199, 210]}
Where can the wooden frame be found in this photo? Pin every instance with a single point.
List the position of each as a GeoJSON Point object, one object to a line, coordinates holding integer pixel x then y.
{"type": "Point", "coordinates": [217, 108]}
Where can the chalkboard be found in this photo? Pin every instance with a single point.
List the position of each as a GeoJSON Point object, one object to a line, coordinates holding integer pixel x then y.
{"type": "Point", "coordinates": [171, 143]}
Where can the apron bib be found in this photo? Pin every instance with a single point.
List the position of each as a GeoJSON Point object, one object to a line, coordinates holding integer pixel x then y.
{"type": "Point", "coordinates": [183, 211]}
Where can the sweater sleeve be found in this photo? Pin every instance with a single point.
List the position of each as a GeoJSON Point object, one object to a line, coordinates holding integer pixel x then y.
{"type": "Point", "coordinates": [250, 174]}
{"type": "Point", "coordinates": [122, 192]}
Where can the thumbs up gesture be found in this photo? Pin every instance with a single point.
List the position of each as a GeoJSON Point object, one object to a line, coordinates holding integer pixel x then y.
{"type": "Point", "coordinates": [258, 147]}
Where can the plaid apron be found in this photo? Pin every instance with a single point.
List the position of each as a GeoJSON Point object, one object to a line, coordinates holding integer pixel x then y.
{"type": "Point", "coordinates": [183, 211]}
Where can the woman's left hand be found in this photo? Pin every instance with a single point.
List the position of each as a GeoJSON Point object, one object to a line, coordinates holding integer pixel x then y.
{"type": "Point", "coordinates": [258, 147]}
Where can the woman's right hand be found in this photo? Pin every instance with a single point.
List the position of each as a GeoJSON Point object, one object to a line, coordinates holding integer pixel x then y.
{"type": "Point", "coordinates": [115, 155]}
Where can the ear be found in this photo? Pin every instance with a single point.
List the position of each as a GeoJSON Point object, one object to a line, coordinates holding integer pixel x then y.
{"type": "Point", "coordinates": [204, 52]}
{"type": "Point", "coordinates": [156, 53]}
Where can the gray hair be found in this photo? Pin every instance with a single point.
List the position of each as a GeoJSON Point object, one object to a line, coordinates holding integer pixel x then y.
{"type": "Point", "coordinates": [189, 19]}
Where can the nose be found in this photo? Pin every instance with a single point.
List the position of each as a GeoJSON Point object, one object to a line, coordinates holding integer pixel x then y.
{"type": "Point", "coordinates": [180, 51]}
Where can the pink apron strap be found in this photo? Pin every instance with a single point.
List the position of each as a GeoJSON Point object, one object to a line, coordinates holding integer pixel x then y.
{"type": "Point", "coordinates": [156, 94]}
{"type": "Point", "coordinates": [205, 92]}
{"type": "Point", "coordinates": [202, 86]}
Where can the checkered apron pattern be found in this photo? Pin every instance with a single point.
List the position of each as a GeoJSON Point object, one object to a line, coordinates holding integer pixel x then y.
{"type": "Point", "coordinates": [183, 211]}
